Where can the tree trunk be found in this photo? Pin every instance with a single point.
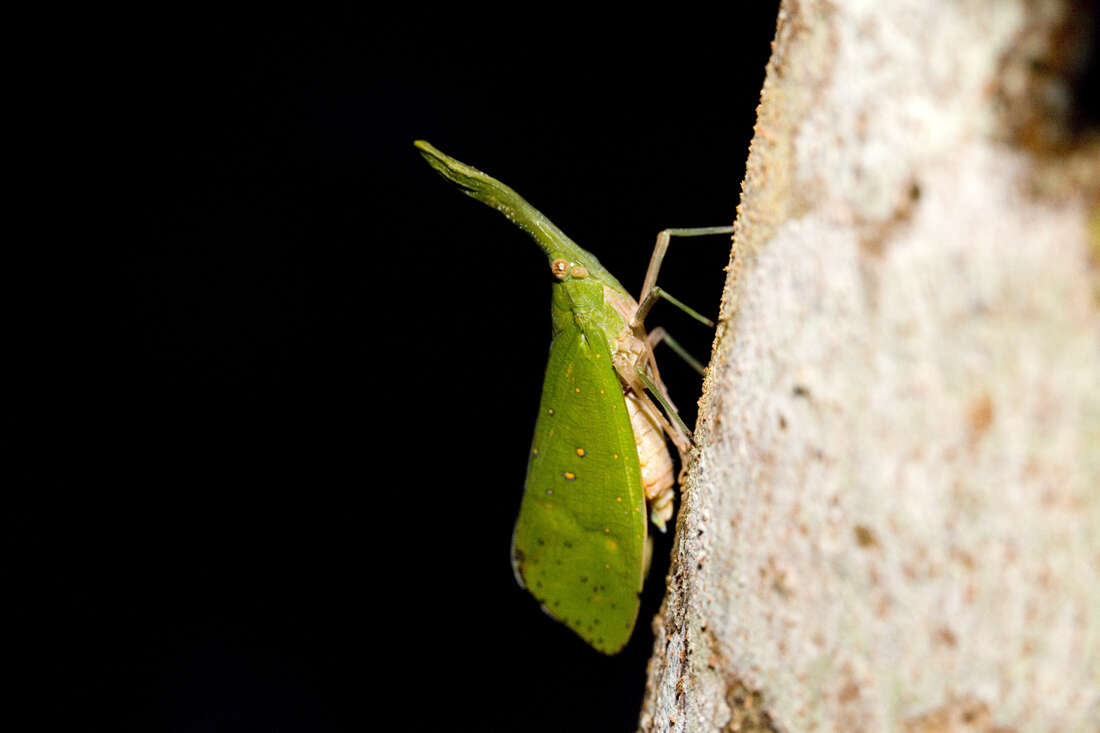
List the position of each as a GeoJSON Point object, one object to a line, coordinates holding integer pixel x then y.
{"type": "Point", "coordinates": [893, 521]}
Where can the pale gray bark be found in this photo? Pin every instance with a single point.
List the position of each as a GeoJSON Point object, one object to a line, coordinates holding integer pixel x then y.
{"type": "Point", "coordinates": [893, 521]}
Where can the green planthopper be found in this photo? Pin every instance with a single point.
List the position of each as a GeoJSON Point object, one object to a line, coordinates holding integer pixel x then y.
{"type": "Point", "coordinates": [599, 464]}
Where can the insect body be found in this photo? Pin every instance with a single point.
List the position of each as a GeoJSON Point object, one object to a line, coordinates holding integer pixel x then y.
{"type": "Point", "coordinates": [599, 454]}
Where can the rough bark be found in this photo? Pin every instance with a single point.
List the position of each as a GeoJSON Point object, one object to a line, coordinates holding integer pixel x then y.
{"type": "Point", "coordinates": [893, 521]}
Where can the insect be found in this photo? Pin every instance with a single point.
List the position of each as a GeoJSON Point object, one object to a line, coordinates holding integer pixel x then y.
{"type": "Point", "coordinates": [599, 455]}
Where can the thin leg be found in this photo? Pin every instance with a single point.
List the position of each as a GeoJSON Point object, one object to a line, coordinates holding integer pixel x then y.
{"type": "Point", "coordinates": [659, 292]}
{"type": "Point", "coordinates": [676, 430]}
{"type": "Point", "coordinates": [659, 334]}
{"type": "Point", "coordinates": [647, 295]}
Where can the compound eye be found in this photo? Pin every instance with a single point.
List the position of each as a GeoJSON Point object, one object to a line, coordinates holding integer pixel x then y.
{"type": "Point", "coordinates": [560, 268]}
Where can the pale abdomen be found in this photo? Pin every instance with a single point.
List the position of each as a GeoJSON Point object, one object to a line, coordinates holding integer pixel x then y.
{"type": "Point", "coordinates": [655, 461]}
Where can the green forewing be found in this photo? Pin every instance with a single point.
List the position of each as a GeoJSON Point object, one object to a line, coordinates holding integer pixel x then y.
{"type": "Point", "coordinates": [579, 540]}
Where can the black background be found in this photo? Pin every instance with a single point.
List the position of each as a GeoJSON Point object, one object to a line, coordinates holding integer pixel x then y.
{"type": "Point", "coordinates": [275, 451]}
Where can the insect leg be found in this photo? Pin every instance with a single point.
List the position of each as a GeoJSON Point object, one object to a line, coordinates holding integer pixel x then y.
{"type": "Point", "coordinates": [650, 291]}
{"type": "Point", "coordinates": [676, 430]}
{"type": "Point", "coordinates": [659, 334]}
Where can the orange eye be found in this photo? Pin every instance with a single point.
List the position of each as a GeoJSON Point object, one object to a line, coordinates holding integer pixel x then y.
{"type": "Point", "coordinates": [560, 268]}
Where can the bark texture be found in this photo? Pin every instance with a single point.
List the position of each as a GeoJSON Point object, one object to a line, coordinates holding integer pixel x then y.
{"type": "Point", "coordinates": [893, 521]}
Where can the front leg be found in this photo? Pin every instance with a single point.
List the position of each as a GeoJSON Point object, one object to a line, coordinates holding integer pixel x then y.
{"type": "Point", "coordinates": [650, 292]}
